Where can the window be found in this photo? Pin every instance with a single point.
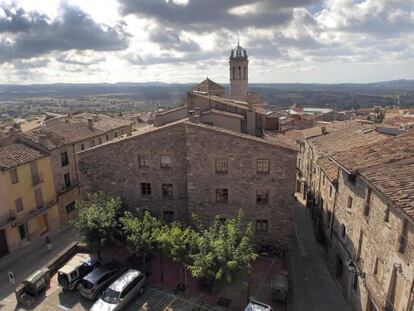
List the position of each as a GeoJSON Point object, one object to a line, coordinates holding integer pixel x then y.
{"type": "Point", "coordinates": [222, 195]}
{"type": "Point", "coordinates": [82, 147]}
{"type": "Point", "coordinates": [263, 166]}
{"type": "Point", "coordinates": [222, 166]}
{"type": "Point", "coordinates": [387, 214]}
{"type": "Point", "coordinates": [107, 137]}
{"type": "Point", "coordinates": [38, 197]}
{"type": "Point", "coordinates": [168, 216]}
{"type": "Point", "coordinates": [145, 189]}
{"type": "Point", "coordinates": [19, 204]}
{"type": "Point", "coordinates": [402, 248]}
{"type": "Point", "coordinates": [64, 158]}
{"type": "Point", "coordinates": [67, 182]}
{"type": "Point", "coordinates": [34, 169]}
{"type": "Point", "coordinates": [261, 226]}
{"type": "Point", "coordinates": [22, 231]}
{"type": "Point", "coordinates": [368, 198]}
{"type": "Point", "coordinates": [378, 269]}
{"type": "Point", "coordinates": [330, 191]}
{"type": "Point", "coordinates": [165, 161]}
{"type": "Point", "coordinates": [100, 140]}
{"type": "Point", "coordinates": [70, 207]}
{"type": "Point", "coordinates": [167, 191]}
{"type": "Point", "coordinates": [262, 196]}
{"type": "Point", "coordinates": [13, 176]}
{"type": "Point", "coordinates": [92, 143]}
{"type": "Point", "coordinates": [143, 160]}
{"type": "Point", "coordinates": [116, 134]}
{"type": "Point", "coordinates": [343, 231]}
{"type": "Point", "coordinates": [350, 202]}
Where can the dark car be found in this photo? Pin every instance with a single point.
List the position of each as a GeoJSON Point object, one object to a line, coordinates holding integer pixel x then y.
{"type": "Point", "coordinates": [94, 283]}
{"type": "Point", "coordinates": [71, 273]}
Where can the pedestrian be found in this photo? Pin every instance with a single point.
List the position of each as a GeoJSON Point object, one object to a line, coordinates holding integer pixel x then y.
{"type": "Point", "coordinates": [49, 244]}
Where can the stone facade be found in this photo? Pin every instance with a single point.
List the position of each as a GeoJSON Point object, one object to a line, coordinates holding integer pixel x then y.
{"type": "Point", "coordinates": [213, 172]}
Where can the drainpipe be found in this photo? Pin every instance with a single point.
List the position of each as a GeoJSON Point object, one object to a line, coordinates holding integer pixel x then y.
{"type": "Point", "coordinates": [335, 200]}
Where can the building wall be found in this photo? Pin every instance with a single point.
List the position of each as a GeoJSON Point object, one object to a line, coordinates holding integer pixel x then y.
{"type": "Point", "coordinates": [171, 116]}
{"type": "Point", "coordinates": [222, 121]}
{"type": "Point", "coordinates": [114, 169]}
{"type": "Point", "coordinates": [380, 239]}
{"type": "Point", "coordinates": [242, 181]}
{"type": "Point", "coordinates": [30, 214]}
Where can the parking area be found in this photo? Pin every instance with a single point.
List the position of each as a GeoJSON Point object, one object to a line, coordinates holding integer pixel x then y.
{"type": "Point", "coordinates": [152, 299]}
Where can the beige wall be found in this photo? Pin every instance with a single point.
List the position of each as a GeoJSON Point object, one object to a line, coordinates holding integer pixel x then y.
{"type": "Point", "coordinates": [171, 116]}
{"type": "Point", "coordinates": [222, 121]}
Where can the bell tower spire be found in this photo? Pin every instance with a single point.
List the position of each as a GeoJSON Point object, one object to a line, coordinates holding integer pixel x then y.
{"type": "Point", "coordinates": [239, 72]}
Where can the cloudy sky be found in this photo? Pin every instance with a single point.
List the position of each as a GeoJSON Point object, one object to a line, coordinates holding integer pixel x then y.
{"type": "Point", "coordinates": [47, 41]}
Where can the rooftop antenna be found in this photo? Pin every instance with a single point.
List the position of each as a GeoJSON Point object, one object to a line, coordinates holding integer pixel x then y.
{"type": "Point", "coordinates": [238, 40]}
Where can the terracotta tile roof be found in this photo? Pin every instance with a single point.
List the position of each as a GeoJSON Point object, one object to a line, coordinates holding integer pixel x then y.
{"type": "Point", "coordinates": [17, 154]}
{"type": "Point", "coordinates": [396, 182]}
{"type": "Point", "coordinates": [369, 155]}
{"type": "Point", "coordinates": [60, 133]}
{"type": "Point", "coordinates": [329, 167]}
{"type": "Point", "coordinates": [343, 136]}
{"type": "Point", "coordinates": [281, 139]}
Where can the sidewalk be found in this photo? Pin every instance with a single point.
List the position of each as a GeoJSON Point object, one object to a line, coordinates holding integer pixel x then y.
{"type": "Point", "coordinates": [313, 286]}
{"type": "Point", "coordinates": [31, 257]}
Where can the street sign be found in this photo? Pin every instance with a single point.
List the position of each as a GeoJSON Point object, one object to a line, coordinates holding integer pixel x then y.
{"type": "Point", "coordinates": [11, 278]}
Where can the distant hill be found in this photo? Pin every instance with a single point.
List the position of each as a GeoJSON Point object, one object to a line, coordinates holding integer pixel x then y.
{"type": "Point", "coordinates": [341, 96]}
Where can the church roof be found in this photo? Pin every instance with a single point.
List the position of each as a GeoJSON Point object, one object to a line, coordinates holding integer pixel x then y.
{"type": "Point", "coordinates": [238, 52]}
{"type": "Point", "coordinates": [207, 85]}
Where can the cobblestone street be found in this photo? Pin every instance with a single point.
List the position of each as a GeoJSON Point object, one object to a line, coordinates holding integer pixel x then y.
{"type": "Point", "coordinates": [313, 286]}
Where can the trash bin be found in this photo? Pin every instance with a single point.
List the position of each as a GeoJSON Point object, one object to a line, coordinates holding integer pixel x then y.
{"type": "Point", "coordinates": [279, 288]}
{"type": "Point", "coordinates": [35, 283]}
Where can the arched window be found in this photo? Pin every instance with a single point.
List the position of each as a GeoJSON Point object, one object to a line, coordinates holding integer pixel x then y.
{"type": "Point", "coordinates": [234, 73]}
{"type": "Point", "coordinates": [240, 73]}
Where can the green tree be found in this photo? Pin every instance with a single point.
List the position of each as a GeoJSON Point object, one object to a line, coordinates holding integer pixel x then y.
{"type": "Point", "coordinates": [177, 242]}
{"type": "Point", "coordinates": [98, 220]}
{"type": "Point", "coordinates": [141, 233]}
{"type": "Point", "coordinates": [224, 253]}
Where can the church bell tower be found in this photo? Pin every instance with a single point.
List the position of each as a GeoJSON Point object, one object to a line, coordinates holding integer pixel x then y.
{"type": "Point", "coordinates": [239, 73]}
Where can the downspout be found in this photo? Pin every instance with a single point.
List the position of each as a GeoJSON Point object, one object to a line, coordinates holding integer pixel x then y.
{"type": "Point", "coordinates": [335, 200]}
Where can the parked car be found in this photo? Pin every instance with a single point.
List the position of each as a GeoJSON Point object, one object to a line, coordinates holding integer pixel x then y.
{"type": "Point", "coordinates": [94, 283]}
{"type": "Point", "coordinates": [71, 273]}
{"type": "Point", "coordinates": [121, 292]}
{"type": "Point", "coordinates": [255, 305]}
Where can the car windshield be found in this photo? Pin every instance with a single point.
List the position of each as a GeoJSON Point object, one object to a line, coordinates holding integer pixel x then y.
{"type": "Point", "coordinates": [110, 296]}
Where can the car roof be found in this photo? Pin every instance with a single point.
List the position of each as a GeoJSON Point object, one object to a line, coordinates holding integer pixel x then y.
{"type": "Point", "coordinates": [257, 306]}
{"type": "Point", "coordinates": [96, 274]}
{"type": "Point", "coordinates": [75, 262]}
{"type": "Point", "coordinates": [124, 280]}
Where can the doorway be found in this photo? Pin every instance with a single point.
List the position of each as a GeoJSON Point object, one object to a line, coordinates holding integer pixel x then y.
{"type": "Point", "coordinates": [4, 250]}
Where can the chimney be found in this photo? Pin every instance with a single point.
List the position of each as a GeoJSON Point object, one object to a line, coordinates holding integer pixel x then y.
{"type": "Point", "coordinates": [90, 124]}
{"type": "Point", "coordinates": [43, 140]}
{"type": "Point", "coordinates": [323, 130]}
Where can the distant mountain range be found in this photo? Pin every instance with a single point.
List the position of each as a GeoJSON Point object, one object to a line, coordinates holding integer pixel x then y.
{"type": "Point", "coordinates": [277, 94]}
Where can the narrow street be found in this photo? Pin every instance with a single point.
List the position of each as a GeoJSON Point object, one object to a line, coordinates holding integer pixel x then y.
{"type": "Point", "coordinates": [312, 286]}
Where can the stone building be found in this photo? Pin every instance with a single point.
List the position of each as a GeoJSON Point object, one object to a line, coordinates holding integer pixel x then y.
{"type": "Point", "coordinates": [28, 207]}
{"type": "Point", "coordinates": [62, 138]}
{"type": "Point", "coordinates": [240, 110]}
{"type": "Point", "coordinates": [184, 167]}
{"type": "Point", "coordinates": [359, 187]}
{"type": "Point", "coordinates": [372, 229]}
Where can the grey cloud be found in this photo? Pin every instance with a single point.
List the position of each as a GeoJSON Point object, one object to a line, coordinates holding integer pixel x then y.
{"type": "Point", "coordinates": [204, 16]}
{"type": "Point", "coordinates": [168, 38]}
{"type": "Point", "coordinates": [18, 20]}
{"type": "Point", "coordinates": [73, 30]}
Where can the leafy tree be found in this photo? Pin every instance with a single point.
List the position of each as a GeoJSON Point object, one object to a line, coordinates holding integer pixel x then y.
{"type": "Point", "coordinates": [176, 242]}
{"type": "Point", "coordinates": [98, 220]}
{"type": "Point", "coordinates": [224, 253]}
{"type": "Point", "coordinates": [141, 233]}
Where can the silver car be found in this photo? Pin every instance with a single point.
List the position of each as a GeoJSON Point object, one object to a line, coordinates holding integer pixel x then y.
{"type": "Point", "coordinates": [121, 292]}
{"type": "Point", "coordinates": [93, 284]}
